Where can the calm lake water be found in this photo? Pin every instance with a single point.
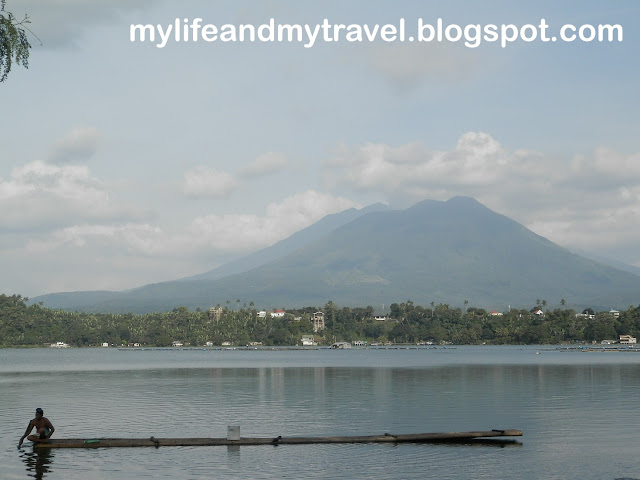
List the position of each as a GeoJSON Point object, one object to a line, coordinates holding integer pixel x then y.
{"type": "Point", "coordinates": [578, 411]}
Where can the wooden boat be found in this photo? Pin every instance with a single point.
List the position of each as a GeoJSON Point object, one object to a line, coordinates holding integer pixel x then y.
{"type": "Point", "coordinates": [193, 442]}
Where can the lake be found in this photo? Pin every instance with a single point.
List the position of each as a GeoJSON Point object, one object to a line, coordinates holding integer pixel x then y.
{"type": "Point", "coordinates": [578, 411]}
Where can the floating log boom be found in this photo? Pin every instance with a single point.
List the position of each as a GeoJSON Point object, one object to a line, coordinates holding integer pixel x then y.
{"type": "Point", "coordinates": [197, 442]}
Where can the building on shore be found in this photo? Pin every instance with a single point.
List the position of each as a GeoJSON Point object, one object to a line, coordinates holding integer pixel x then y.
{"type": "Point", "coordinates": [318, 321]}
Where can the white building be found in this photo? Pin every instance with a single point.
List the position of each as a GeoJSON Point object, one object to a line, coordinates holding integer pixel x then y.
{"type": "Point", "coordinates": [308, 341]}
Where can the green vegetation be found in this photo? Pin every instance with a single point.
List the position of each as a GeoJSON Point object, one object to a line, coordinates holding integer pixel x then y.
{"type": "Point", "coordinates": [34, 325]}
{"type": "Point", "coordinates": [14, 45]}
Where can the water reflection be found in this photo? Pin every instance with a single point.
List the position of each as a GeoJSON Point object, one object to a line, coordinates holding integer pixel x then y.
{"type": "Point", "coordinates": [483, 442]}
{"type": "Point", "coordinates": [233, 452]}
{"type": "Point", "coordinates": [38, 462]}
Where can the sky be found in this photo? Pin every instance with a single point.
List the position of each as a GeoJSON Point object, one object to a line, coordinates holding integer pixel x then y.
{"type": "Point", "coordinates": [123, 164]}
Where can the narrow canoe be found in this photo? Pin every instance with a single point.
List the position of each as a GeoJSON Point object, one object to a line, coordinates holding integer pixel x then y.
{"type": "Point", "coordinates": [193, 442]}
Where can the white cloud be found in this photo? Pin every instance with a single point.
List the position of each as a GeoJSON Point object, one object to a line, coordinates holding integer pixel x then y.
{"type": "Point", "coordinates": [590, 202]}
{"type": "Point", "coordinates": [77, 146]}
{"type": "Point", "coordinates": [478, 160]}
{"type": "Point", "coordinates": [64, 182]}
{"type": "Point", "coordinates": [237, 232]}
{"type": "Point", "coordinates": [219, 233]}
{"type": "Point", "coordinates": [203, 181]}
{"type": "Point", "coordinates": [39, 195]}
{"type": "Point", "coordinates": [267, 163]}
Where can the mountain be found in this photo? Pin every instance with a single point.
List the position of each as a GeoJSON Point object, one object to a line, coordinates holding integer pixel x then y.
{"type": "Point", "coordinates": [90, 300]}
{"type": "Point", "coordinates": [432, 252]}
{"type": "Point", "coordinates": [288, 245]}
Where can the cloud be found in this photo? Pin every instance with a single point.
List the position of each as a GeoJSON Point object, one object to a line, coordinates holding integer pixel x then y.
{"type": "Point", "coordinates": [221, 233]}
{"type": "Point", "coordinates": [89, 257]}
{"type": "Point", "coordinates": [602, 221]}
{"type": "Point", "coordinates": [606, 166]}
{"type": "Point", "coordinates": [203, 181]}
{"type": "Point", "coordinates": [77, 146]}
{"type": "Point", "coordinates": [267, 163]}
{"type": "Point", "coordinates": [477, 160]}
{"type": "Point", "coordinates": [40, 195]}
{"type": "Point", "coordinates": [237, 232]}
{"type": "Point", "coordinates": [590, 202]}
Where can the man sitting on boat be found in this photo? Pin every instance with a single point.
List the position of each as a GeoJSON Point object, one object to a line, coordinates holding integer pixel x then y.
{"type": "Point", "coordinates": [44, 428]}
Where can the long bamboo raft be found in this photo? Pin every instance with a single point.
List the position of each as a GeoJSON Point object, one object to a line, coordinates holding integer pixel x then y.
{"type": "Point", "coordinates": [196, 442]}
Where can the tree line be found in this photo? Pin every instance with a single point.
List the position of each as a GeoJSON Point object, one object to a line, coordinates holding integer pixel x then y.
{"type": "Point", "coordinates": [23, 325]}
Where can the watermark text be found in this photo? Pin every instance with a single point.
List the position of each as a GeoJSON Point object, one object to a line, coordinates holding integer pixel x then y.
{"type": "Point", "coordinates": [309, 35]}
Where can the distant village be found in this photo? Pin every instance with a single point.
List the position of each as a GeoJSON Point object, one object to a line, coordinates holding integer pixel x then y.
{"type": "Point", "coordinates": [333, 326]}
{"type": "Point", "coordinates": [318, 324]}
